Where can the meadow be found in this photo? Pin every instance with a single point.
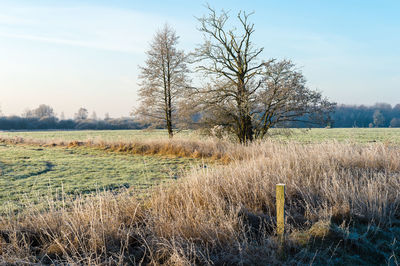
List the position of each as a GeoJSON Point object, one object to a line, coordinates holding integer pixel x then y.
{"type": "Point", "coordinates": [30, 172]}
{"type": "Point", "coordinates": [82, 135]}
{"type": "Point", "coordinates": [207, 201]}
{"type": "Point", "coordinates": [355, 135]}
{"type": "Point", "coordinates": [315, 135]}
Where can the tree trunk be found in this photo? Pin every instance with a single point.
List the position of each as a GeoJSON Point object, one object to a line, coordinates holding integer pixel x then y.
{"type": "Point", "coordinates": [246, 126]}
{"type": "Point", "coordinates": [169, 128]}
{"type": "Point", "coordinates": [245, 132]}
{"type": "Point", "coordinates": [248, 129]}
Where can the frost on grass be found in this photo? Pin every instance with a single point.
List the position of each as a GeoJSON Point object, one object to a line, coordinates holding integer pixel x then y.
{"type": "Point", "coordinates": [342, 207]}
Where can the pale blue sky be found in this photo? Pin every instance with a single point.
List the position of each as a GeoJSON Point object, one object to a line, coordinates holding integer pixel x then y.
{"type": "Point", "coordinates": [71, 54]}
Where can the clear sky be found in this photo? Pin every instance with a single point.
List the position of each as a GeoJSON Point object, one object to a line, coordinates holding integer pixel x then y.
{"type": "Point", "coordinates": [71, 54]}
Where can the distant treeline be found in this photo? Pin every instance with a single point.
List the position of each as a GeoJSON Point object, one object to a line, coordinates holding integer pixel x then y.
{"type": "Point", "coordinates": [378, 115]}
{"type": "Point", "coordinates": [34, 123]}
{"type": "Point", "coordinates": [42, 118]}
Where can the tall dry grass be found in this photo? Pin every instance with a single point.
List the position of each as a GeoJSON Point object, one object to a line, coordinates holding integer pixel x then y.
{"type": "Point", "coordinates": [342, 200]}
{"type": "Point", "coordinates": [184, 147]}
{"type": "Point", "coordinates": [325, 182]}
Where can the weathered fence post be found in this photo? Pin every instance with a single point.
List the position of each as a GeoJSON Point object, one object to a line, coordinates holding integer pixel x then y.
{"type": "Point", "coordinates": [280, 214]}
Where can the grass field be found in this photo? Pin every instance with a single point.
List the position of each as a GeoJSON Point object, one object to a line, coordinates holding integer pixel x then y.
{"type": "Point", "coordinates": [342, 201]}
{"type": "Point", "coordinates": [315, 135]}
{"type": "Point", "coordinates": [30, 172]}
{"type": "Point", "coordinates": [356, 135]}
{"type": "Point", "coordinates": [105, 135]}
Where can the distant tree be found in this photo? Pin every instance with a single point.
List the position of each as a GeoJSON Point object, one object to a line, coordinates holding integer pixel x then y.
{"type": "Point", "coordinates": [245, 95]}
{"type": "Point", "coordinates": [395, 122]}
{"type": "Point", "coordinates": [163, 81]}
{"type": "Point", "coordinates": [62, 116]}
{"type": "Point", "coordinates": [43, 111]}
{"type": "Point", "coordinates": [82, 114]}
{"type": "Point", "coordinates": [93, 116]}
{"type": "Point", "coordinates": [378, 118]}
{"type": "Point", "coordinates": [106, 116]}
{"type": "Point", "coordinates": [396, 111]}
{"type": "Point", "coordinates": [47, 122]}
{"type": "Point", "coordinates": [383, 106]}
{"type": "Point", "coordinates": [27, 113]}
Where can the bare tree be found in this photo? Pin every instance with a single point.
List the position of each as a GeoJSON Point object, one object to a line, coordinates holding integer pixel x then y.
{"type": "Point", "coordinates": [27, 113]}
{"type": "Point", "coordinates": [163, 81]}
{"type": "Point", "coordinates": [106, 116]}
{"type": "Point", "coordinates": [43, 111]}
{"type": "Point", "coordinates": [231, 59]}
{"type": "Point", "coordinates": [395, 122]}
{"type": "Point", "coordinates": [94, 116]}
{"type": "Point", "coordinates": [378, 118]}
{"type": "Point", "coordinates": [245, 95]}
{"type": "Point", "coordinates": [82, 114]}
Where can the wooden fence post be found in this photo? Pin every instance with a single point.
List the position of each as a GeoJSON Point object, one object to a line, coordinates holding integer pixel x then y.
{"type": "Point", "coordinates": [280, 214]}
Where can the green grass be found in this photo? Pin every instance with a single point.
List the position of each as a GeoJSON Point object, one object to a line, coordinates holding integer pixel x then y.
{"type": "Point", "coordinates": [31, 172]}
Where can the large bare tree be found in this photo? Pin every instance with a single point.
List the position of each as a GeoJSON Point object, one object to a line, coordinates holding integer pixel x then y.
{"type": "Point", "coordinates": [245, 95]}
{"type": "Point", "coordinates": [231, 59]}
{"type": "Point", "coordinates": [163, 81]}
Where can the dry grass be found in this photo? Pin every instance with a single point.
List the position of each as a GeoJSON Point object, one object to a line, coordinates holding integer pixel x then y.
{"type": "Point", "coordinates": [182, 147]}
{"type": "Point", "coordinates": [91, 230]}
{"type": "Point", "coordinates": [342, 200]}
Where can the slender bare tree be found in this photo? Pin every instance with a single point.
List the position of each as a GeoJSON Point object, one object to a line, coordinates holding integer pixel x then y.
{"type": "Point", "coordinates": [247, 96]}
{"type": "Point", "coordinates": [163, 81]}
